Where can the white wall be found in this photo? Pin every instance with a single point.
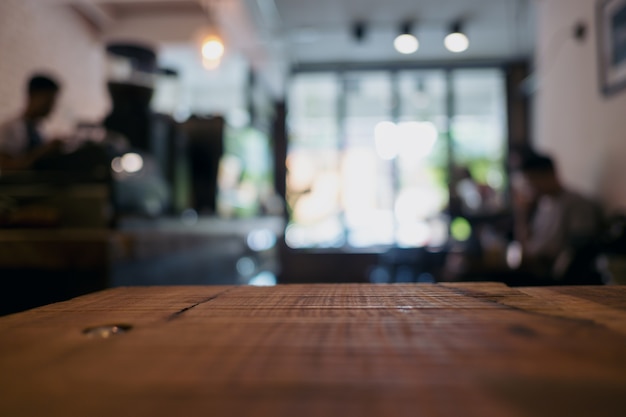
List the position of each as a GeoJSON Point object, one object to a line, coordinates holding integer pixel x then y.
{"type": "Point", "coordinates": [584, 130]}
{"type": "Point", "coordinates": [36, 35]}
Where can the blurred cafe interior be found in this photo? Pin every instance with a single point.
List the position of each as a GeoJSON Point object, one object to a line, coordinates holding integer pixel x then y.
{"type": "Point", "coordinates": [261, 142]}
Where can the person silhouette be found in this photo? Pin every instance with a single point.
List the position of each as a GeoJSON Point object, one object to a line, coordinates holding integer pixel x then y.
{"type": "Point", "coordinates": [21, 142]}
{"type": "Point", "coordinates": [553, 223]}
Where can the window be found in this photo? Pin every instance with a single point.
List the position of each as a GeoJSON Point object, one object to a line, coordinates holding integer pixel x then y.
{"type": "Point", "coordinates": [371, 153]}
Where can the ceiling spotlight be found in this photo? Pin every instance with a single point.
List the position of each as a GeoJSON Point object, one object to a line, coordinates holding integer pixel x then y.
{"type": "Point", "coordinates": [456, 41]}
{"type": "Point", "coordinates": [406, 42]}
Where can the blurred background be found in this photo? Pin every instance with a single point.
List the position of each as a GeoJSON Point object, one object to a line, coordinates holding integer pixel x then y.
{"type": "Point", "coordinates": [256, 142]}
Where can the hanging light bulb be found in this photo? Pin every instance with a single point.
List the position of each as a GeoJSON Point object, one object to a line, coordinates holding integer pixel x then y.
{"type": "Point", "coordinates": [456, 41]}
{"type": "Point", "coordinates": [212, 51]}
{"type": "Point", "coordinates": [406, 43]}
{"type": "Point", "coordinates": [212, 48]}
{"type": "Point", "coordinates": [211, 44]}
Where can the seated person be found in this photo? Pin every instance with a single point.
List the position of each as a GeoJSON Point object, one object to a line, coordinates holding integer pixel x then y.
{"type": "Point", "coordinates": [21, 143]}
{"type": "Point", "coordinates": [552, 224]}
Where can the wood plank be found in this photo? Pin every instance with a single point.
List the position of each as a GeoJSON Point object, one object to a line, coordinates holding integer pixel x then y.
{"type": "Point", "coordinates": [309, 350]}
{"type": "Point", "coordinates": [605, 306]}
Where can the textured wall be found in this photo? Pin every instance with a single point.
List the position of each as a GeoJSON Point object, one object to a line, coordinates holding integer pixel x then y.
{"type": "Point", "coordinates": [37, 35]}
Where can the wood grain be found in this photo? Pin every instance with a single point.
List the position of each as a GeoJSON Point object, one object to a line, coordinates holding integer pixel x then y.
{"type": "Point", "coordinates": [479, 349]}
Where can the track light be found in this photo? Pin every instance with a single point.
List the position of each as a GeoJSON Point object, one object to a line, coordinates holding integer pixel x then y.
{"type": "Point", "coordinates": [456, 41]}
{"type": "Point", "coordinates": [406, 42]}
{"type": "Point", "coordinates": [359, 31]}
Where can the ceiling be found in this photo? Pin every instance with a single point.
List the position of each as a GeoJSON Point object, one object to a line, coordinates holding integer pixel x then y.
{"type": "Point", "coordinates": [275, 35]}
{"type": "Point", "coordinates": [321, 31]}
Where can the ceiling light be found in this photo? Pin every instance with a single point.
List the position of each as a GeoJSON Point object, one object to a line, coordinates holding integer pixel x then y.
{"type": "Point", "coordinates": [456, 41]}
{"type": "Point", "coordinates": [212, 48]}
{"type": "Point", "coordinates": [210, 42]}
{"type": "Point", "coordinates": [406, 43]}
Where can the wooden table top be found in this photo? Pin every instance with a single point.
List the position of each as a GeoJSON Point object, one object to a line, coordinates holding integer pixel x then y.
{"type": "Point", "coordinates": [473, 349]}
